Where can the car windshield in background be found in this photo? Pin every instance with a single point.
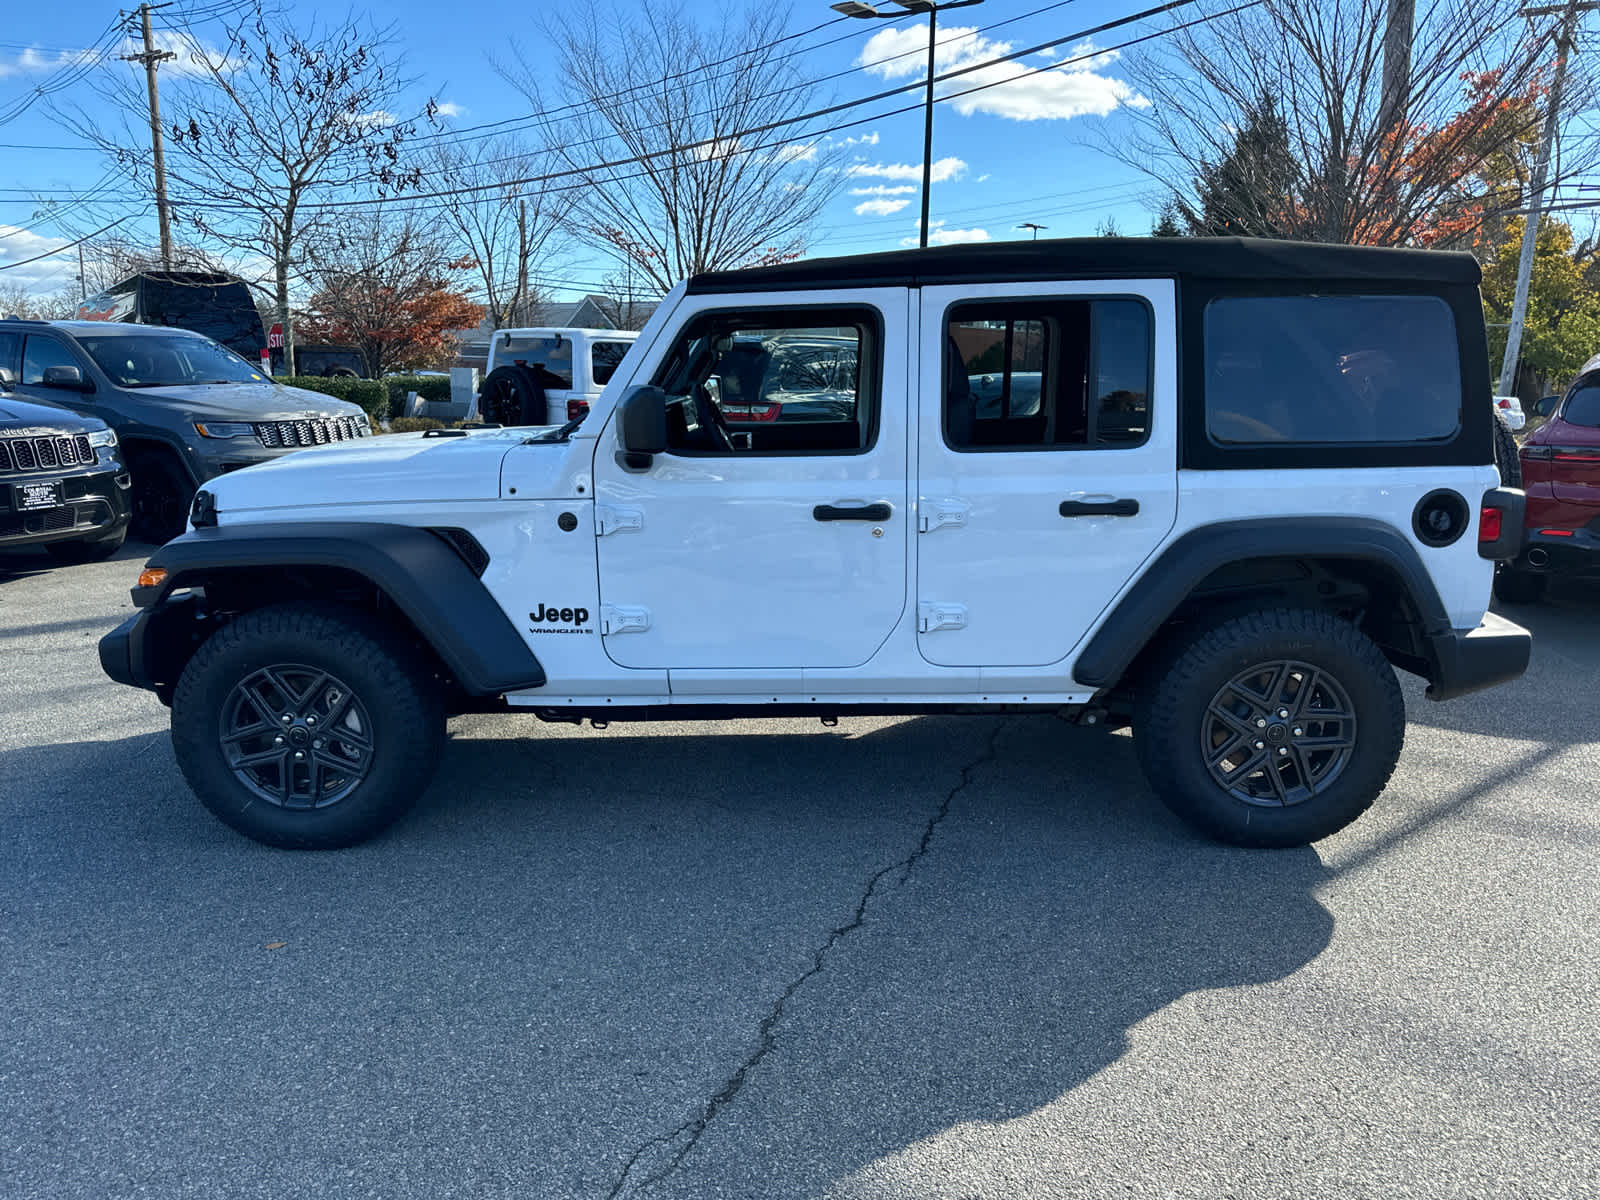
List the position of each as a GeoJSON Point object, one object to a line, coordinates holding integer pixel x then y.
{"type": "Point", "coordinates": [166, 359]}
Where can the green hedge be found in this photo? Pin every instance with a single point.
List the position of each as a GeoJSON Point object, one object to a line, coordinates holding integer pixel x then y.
{"type": "Point", "coordinates": [414, 424]}
{"type": "Point", "coordinates": [371, 394]}
{"type": "Point", "coordinates": [428, 387]}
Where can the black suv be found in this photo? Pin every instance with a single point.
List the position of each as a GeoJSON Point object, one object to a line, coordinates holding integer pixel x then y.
{"type": "Point", "coordinates": [62, 483]}
{"type": "Point", "coordinates": [185, 408]}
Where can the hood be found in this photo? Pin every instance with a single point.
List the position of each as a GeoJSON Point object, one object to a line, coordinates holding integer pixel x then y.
{"type": "Point", "coordinates": [245, 401]}
{"type": "Point", "coordinates": [395, 468]}
{"type": "Point", "coordinates": [18, 417]}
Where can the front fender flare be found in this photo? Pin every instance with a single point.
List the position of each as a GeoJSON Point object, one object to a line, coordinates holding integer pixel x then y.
{"type": "Point", "coordinates": [424, 575]}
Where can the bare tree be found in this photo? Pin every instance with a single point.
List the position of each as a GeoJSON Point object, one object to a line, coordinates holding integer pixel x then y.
{"type": "Point", "coordinates": [510, 232]}
{"type": "Point", "coordinates": [18, 301]}
{"type": "Point", "coordinates": [287, 113]}
{"type": "Point", "coordinates": [676, 97]}
{"type": "Point", "coordinates": [1308, 75]}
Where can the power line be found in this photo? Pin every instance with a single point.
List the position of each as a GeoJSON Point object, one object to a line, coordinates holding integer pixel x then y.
{"type": "Point", "coordinates": [68, 246]}
{"type": "Point", "coordinates": [732, 137]}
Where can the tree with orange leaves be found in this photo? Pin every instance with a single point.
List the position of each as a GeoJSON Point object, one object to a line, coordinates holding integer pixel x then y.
{"type": "Point", "coordinates": [384, 286]}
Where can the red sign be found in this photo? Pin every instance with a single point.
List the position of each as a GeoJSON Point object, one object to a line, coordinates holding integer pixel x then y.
{"type": "Point", "coordinates": [275, 338]}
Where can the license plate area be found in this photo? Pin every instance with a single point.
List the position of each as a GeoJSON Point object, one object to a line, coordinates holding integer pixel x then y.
{"type": "Point", "coordinates": [30, 497]}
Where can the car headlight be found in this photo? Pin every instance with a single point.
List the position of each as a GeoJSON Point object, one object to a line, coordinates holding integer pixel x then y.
{"type": "Point", "coordinates": [224, 429]}
{"type": "Point", "coordinates": [103, 437]}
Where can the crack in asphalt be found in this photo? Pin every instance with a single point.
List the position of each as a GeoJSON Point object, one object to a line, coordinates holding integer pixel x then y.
{"type": "Point", "coordinates": [687, 1135]}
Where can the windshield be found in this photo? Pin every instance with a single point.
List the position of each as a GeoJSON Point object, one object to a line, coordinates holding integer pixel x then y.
{"type": "Point", "coordinates": [157, 359]}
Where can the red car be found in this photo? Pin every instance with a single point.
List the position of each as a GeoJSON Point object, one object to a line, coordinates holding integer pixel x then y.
{"type": "Point", "coordinates": [1561, 476]}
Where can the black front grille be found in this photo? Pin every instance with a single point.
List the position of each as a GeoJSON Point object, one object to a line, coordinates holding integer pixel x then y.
{"type": "Point", "coordinates": [44, 453]}
{"type": "Point", "coordinates": [50, 520]}
{"type": "Point", "coordinates": [288, 435]}
{"type": "Point", "coordinates": [22, 453]}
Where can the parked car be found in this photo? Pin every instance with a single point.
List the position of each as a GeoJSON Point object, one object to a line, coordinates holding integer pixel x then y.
{"type": "Point", "coordinates": [545, 376]}
{"type": "Point", "coordinates": [1236, 570]}
{"type": "Point", "coordinates": [1511, 412]}
{"type": "Point", "coordinates": [185, 408]}
{"type": "Point", "coordinates": [62, 482]}
{"type": "Point", "coordinates": [1561, 478]}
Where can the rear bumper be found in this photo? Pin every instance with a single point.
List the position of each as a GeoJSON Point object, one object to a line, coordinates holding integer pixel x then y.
{"type": "Point", "coordinates": [1550, 554]}
{"type": "Point", "coordinates": [1468, 661]}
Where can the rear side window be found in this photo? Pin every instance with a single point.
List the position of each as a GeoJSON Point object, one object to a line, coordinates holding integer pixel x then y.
{"type": "Point", "coordinates": [1583, 406]}
{"type": "Point", "coordinates": [1047, 374]}
{"type": "Point", "coordinates": [10, 343]}
{"type": "Point", "coordinates": [607, 358]}
{"type": "Point", "coordinates": [1331, 370]}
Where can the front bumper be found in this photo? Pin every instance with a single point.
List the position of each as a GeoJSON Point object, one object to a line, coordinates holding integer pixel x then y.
{"type": "Point", "coordinates": [1469, 661]}
{"type": "Point", "coordinates": [142, 650]}
{"type": "Point", "coordinates": [94, 507]}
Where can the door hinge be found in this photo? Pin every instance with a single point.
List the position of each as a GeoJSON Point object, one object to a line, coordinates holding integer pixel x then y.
{"type": "Point", "coordinates": [940, 616]}
{"type": "Point", "coordinates": [616, 619]}
{"type": "Point", "coordinates": [941, 514]}
{"type": "Point", "coordinates": [611, 520]}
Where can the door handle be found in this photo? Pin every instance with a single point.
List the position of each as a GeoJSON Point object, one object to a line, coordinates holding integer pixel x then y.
{"type": "Point", "coordinates": [1099, 508]}
{"type": "Point", "coordinates": [854, 512]}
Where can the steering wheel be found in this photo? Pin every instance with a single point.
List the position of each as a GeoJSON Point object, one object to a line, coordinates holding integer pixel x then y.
{"type": "Point", "coordinates": [709, 417]}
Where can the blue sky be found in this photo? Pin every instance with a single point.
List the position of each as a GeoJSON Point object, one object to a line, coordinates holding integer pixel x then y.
{"type": "Point", "coordinates": [1015, 152]}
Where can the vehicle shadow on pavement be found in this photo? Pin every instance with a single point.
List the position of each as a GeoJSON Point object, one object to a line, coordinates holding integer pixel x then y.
{"type": "Point", "coordinates": [590, 959]}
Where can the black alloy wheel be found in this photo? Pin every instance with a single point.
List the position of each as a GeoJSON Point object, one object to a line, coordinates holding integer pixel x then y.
{"type": "Point", "coordinates": [1278, 733]}
{"type": "Point", "coordinates": [296, 736]}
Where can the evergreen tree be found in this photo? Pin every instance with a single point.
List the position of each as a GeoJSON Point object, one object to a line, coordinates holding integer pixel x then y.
{"type": "Point", "coordinates": [1250, 192]}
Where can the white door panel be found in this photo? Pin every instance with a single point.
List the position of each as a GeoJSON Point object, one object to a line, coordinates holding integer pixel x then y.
{"type": "Point", "coordinates": [728, 552]}
{"type": "Point", "coordinates": [1028, 580]}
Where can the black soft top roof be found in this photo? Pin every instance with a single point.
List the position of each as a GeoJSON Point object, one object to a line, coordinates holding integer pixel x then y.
{"type": "Point", "coordinates": [1104, 258]}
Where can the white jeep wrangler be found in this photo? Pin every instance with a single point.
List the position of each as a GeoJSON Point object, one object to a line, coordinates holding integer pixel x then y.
{"type": "Point", "coordinates": [1219, 489]}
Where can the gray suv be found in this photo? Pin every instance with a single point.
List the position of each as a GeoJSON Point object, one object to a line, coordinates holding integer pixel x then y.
{"type": "Point", "coordinates": [184, 407]}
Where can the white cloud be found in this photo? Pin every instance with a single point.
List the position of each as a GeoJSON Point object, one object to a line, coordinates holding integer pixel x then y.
{"type": "Point", "coordinates": [1073, 87]}
{"type": "Point", "coordinates": [717, 148]}
{"type": "Point", "coordinates": [904, 189]}
{"type": "Point", "coordinates": [940, 236]}
{"type": "Point", "coordinates": [796, 153]}
{"type": "Point", "coordinates": [450, 108]}
{"type": "Point", "coordinates": [33, 61]}
{"type": "Point", "coordinates": [981, 178]}
{"type": "Point", "coordinates": [42, 277]}
{"type": "Point", "coordinates": [380, 118]}
{"type": "Point", "coordinates": [880, 208]}
{"type": "Point", "coordinates": [944, 170]}
{"type": "Point", "coordinates": [866, 139]}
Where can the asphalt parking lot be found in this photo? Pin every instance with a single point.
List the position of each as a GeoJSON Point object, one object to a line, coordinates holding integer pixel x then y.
{"type": "Point", "coordinates": [952, 958]}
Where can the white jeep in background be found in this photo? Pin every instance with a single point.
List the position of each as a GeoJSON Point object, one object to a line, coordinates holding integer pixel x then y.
{"type": "Point", "coordinates": [547, 374]}
{"type": "Point", "coordinates": [1217, 489]}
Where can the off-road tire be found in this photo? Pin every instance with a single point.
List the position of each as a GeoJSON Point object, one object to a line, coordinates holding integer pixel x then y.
{"type": "Point", "coordinates": [513, 395]}
{"type": "Point", "coordinates": [1512, 586]}
{"type": "Point", "coordinates": [402, 720]}
{"type": "Point", "coordinates": [1176, 712]}
{"type": "Point", "coordinates": [86, 551]}
{"type": "Point", "coordinates": [162, 493]}
{"type": "Point", "coordinates": [1507, 458]}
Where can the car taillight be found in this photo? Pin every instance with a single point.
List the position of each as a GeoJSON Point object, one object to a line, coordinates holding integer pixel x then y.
{"type": "Point", "coordinates": [1505, 404]}
{"type": "Point", "coordinates": [1489, 525]}
{"type": "Point", "coordinates": [1555, 533]}
{"type": "Point", "coordinates": [577, 409]}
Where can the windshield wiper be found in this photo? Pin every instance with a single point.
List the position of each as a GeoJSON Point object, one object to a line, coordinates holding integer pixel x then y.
{"type": "Point", "coordinates": [563, 434]}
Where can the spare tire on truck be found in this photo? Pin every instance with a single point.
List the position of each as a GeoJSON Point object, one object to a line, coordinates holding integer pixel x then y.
{"type": "Point", "coordinates": [513, 395]}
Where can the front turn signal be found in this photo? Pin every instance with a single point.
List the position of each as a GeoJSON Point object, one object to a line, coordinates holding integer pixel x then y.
{"type": "Point", "coordinates": [152, 577]}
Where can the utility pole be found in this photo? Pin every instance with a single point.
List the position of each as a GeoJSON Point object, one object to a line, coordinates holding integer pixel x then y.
{"type": "Point", "coordinates": [1530, 232]}
{"type": "Point", "coordinates": [1397, 63]}
{"type": "Point", "coordinates": [1032, 226]}
{"type": "Point", "coordinates": [522, 264]}
{"type": "Point", "coordinates": [151, 58]}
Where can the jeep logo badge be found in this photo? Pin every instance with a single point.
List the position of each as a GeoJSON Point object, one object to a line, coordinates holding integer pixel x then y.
{"type": "Point", "coordinates": [561, 616]}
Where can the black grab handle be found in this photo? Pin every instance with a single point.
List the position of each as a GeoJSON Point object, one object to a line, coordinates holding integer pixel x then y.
{"type": "Point", "coordinates": [1108, 508]}
{"type": "Point", "coordinates": [864, 512]}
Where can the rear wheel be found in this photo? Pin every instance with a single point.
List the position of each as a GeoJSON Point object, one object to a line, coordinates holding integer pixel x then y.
{"type": "Point", "coordinates": [298, 729]}
{"type": "Point", "coordinates": [1274, 728]}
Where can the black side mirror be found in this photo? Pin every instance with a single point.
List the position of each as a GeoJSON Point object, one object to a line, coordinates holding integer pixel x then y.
{"type": "Point", "coordinates": [1547, 405]}
{"type": "Point", "coordinates": [642, 427]}
{"type": "Point", "coordinates": [68, 378]}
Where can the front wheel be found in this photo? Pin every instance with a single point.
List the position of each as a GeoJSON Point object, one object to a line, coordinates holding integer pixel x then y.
{"type": "Point", "coordinates": [298, 729]}
{"type": "Point", "coordinates": [1274, 728]}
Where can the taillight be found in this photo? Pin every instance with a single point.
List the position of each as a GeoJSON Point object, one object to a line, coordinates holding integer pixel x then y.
{"type": "Point", "coordinates": [1555, 533]}
{"type": "Point", "coordinates": [1489, 525]}
{"type": "Point", "coordinates": [1505, 404]}
{"type": "Point", "coordinates": [577, 409]}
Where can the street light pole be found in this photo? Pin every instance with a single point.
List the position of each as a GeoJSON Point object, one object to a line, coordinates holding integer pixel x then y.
{"type": "Point", "coordinates": [852, 8]}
